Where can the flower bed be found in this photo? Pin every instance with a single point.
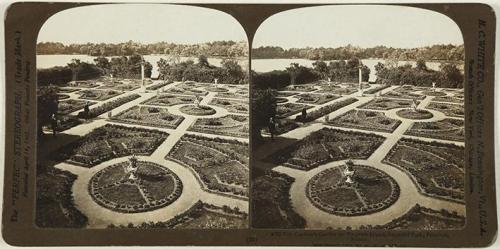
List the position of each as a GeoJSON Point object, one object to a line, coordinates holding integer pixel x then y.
{"type": "Point", "coordinates": [436, 168]}
{"type": "Point", "coordinates": [154, 187]}
{"type": "Point", "coordinates": [199, 216]}
{"type": "Point", "coordinates": [338, 90]}
{"type": "Point", "coordinates": [422, 218]}
{"type": "Point", "coordinates": [366, 120]}
{"type": "Point", "coordinates": [234, 95]}
{"type": "Point", "coordinates": [232, 106]}
{"type": "Point", "coordinates": [186, 91]}
{"type": "Point", "coordinates": [317, 99]}
{"type": "Point", "coordinates": [372, 191]}
{"type": "Point", "coordinates": [447, 129]}
{"type": "Point", "coordinates": [449, 99]}
{"type": "Point", "coordinates": [281, 100]}
{"type": "Point", "coordinates": [169, 100]}
{"type": "Point", "coordinates": [230, 125]}
{"type": "Point", "coordinates": [201, 110]}
{"type": "Point", "coordinates": [404, 92]}
{"type": "Point", "coordinates": [326, 145]}
{"type": "Point", "coordinates": [434, 93]}
{"type": "Point", "coordinates": [216, 89]}
{"type": "Point", "coordinates": [98, 95]}
{"type": "Point", "coordinates": [322, 111]}
{"type": "Point", "coordinates": [72, 105]}
{"type": "Point", "coordinates": [62, 96]}
{"type": "Point", "coordinates": [451, 110]}
{"type": "Point", "coordinates": [159, 85]}
{"type": "Point", "coordinates": [299, 88]}
{"type": "Point", "coordinates": [108, 142]}
{"type": "Point", "coordinates": [150, 116]}
{"type": "Point", "coordinates": [83, 84]}
{"type": "Point", "coordinates": [289, 109]}
{"type": "Point", "coordinates": [285, 94]}
{"type": "Point", "coordinates": [376, 89]}
{"type": "Point", "coordinates": [387, 104]}
{"type": "Point", "coordinates": [67, 90]}
{"type": "Point", "coordinates": [414, 114]}
{"type": "Point", "coordinates": [221, 165]}
{"type": "Point", "coordinates": [108, 106]}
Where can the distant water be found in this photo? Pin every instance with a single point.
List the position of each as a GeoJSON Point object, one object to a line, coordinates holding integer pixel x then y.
{"type": "Point", "coordinates": [47, 61]}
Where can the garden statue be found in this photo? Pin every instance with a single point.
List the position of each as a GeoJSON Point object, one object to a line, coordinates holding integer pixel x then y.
{"type": "Point", "coordinates": [433, 86]}
{"type": "Point", "coordinates": [53, 123]}
{"type": "Point", "coordinates": [304, 114]}
{"type": "Point", "coordinates": [132, 168]}
{"type": "Point", "coordinates": [110, 114]}
{"type": "Point", "coordinates": [215, 81]}
{"type": "Point", "coordinates": [272, 127]}
{"type": "Point", "coordinates": [414, 105]}
{"type": "Point", "coordinates": [329, 81]}
{"type": "Point", "coordinates": [86, 110]}
{"type": "Point", "coordinates": [197, 101]}
{"type": "Point", "coordinates": [327, 118]}
{"type": "Point", "coordinates": [348, 172]}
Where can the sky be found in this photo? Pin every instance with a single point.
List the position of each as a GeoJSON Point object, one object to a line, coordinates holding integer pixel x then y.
{"type": "Point", "coordinates": [145, 23]}
{"type": "Point", "coordinates": [363, 25]}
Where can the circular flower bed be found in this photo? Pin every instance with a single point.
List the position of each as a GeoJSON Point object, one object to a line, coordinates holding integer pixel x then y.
{"type": "Point", "coordinates": [152, 187]}
{"type": "Point", "coordinates": [412, 114]}
{"type": "Point", "coordinates": [202, 110]}
{"type": "Point", "coordinates": [371, 190]}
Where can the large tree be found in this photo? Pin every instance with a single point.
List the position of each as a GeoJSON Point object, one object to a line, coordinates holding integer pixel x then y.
{"type": "Point", "coordinates": [263, 107]}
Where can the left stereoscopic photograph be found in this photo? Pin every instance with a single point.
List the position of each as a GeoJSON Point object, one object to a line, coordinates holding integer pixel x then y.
{"type": "Point", "coordinates": [142, 118]}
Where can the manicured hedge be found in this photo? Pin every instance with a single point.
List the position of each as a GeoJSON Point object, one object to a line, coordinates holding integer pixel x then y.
{"type": "Point", "coordinates": [313, 115]}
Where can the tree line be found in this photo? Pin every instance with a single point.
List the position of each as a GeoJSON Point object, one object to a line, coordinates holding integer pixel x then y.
{"type": "Point", "coordinates": [230, 72]}
{"type": "Point", "coordinates": [335, 71]}
{"type": "Point", "coordinates": [121, 67]}
{"type": "Point", "coordinates": [448, 76]}
{"type": "Point", "coordinates": [211, 49]}
{"type": "Point", "coordinates": [441, 52]}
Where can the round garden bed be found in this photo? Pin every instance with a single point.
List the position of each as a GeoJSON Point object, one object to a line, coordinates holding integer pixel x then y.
{"type": "Point", "coordinates": [152, 187]}
{"type": "Point", "coordinates": [202, 110]}
{"type": "Point", "coordinates": [412, 114]}
{"type": "Point", "coordinates": [371, 191]}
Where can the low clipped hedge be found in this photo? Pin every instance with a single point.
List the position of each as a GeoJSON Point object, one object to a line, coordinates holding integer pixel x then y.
{"type": "Point", "coordinates": [313, 115]}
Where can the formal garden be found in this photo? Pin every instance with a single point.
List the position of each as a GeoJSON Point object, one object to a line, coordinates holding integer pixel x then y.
{"type": "Point", "coordinates": [437, 168]}
{"type": "Point", "coordinates": [326, 145]}
{"type": "Point", "coordinates": [403, 139]}
{"type": "Point", "coordinates": [366, 120]}
{"type": "Point", "coordinates": [371, 191]}
{"type": "Point", "coordinates": [221, 165]}
{"type": "Point", "coordinates": [229, 125]}
{"type": "Point", "coordinates": [105, 122]}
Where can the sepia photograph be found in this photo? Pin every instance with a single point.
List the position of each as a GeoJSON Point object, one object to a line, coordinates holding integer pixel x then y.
{"type": "Point", "coordinates": [143, 118]}
{"type": "Point", "coordinates": [358, 120]}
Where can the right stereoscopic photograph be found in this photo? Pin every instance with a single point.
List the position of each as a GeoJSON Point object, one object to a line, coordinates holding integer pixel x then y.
{"type": "Point", "coordinates": [358, 120]}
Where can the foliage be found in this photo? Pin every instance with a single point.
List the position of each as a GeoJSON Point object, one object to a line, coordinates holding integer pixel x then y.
{"type": "Point", "coordinates": [212, 49]}
{"type": "Point", "coordinates": [436, 52]}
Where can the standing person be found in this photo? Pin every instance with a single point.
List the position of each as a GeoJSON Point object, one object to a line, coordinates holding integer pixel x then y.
{"type": "Point", "coordinates": [272, 127]}
{"type": "Point", "coordinates": [53, 123]}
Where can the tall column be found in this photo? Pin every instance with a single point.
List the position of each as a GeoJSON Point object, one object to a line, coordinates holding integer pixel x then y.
{"type": "Point", "coordinates": [142, 73]}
